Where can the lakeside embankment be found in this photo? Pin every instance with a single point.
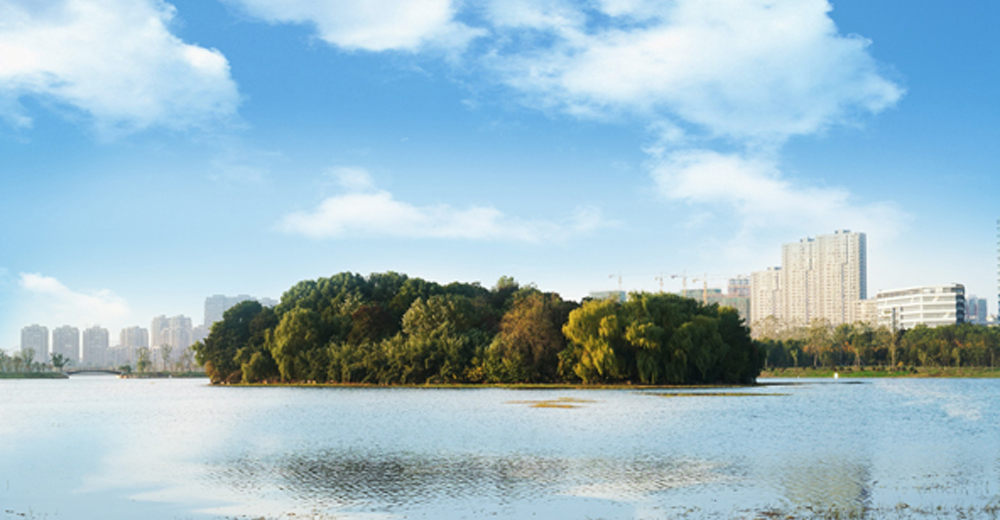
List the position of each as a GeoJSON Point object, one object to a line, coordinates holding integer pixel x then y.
{"type": "Point", "coordinates": [848, 371]}
{"type": "Point", "coordinates": [162, 375]}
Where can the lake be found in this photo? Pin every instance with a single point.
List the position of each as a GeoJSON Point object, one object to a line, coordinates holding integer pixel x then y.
{"type": "Point", "coordinates": [96, 447]}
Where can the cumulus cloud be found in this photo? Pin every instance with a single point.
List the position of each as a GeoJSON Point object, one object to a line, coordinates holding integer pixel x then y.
{"type": "Point", "coordinates": [365, 211]}
{"type": "Point", "coordinates": [370, 25]}
{"type": "Point", "coordinates": [62, 303]}
{"type": "Point", "coordinates": [114, 60]}
{"type": "Point", "coordinates": [760, 70]}
{"type": "Point", "coordinates": [756, 190]}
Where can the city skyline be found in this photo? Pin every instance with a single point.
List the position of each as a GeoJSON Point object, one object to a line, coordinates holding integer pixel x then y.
{"type": "Point", "coordinates": [239, 147]}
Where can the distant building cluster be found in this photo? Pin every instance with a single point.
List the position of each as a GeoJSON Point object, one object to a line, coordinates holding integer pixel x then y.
{"type": "Point", "coordinates": [66, 342]}
{"type": "Point", "coordinates": [167, 338]}
{"type": "Point", "coordinates": [737, 297]}
{"type": "Point", "coordinates": [824, 280]}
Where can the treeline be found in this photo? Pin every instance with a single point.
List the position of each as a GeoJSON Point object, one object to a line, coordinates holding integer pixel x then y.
{"type": "Point", "coordinates": [859, 344]}
{"type": "Point", "coordinates": [391, 329]}
{"type": "Point", "coordinates": [21, 362]}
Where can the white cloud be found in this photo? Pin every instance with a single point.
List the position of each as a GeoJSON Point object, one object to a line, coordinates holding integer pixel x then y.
{"type": "Point", "coordinates": [756, 190]}
{"type": "Point", "coordinates": [364, 211]}
{"type": "Point", "coordinates": [55, 301]}
{"type": "Point", "coordinates": [752, 70]}
{"type": "Point", "coordinates": [353, 179]}
{"type": "Point", "coordinates": [554, 15]}
{"type": "Point", "coordinates": [371, 25]}
{"type": "Point", "coordinates": [114, 60]}
{"type": "Point", "coordinates": [760, 70]}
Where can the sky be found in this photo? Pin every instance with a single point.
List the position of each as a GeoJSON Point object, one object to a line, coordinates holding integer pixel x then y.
{"type": "Point", "coordinates": [153, 153]}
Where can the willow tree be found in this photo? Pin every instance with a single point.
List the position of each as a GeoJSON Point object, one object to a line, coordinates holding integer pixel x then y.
{"type": "Point", "coordinates": [595, 334]}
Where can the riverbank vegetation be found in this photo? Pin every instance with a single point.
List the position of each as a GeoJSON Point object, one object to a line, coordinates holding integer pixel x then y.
{"type": "Point", "coordinates": [32, 375]}
{"type": "Point", "coordinates": [389, 329]}
{"type": "Point", "coordinates": [890, 352]}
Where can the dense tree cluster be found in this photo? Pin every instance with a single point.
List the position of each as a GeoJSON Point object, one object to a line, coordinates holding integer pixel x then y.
{"type": "Point", "coordinates": [392, 329]}
{"type": "Point", "coordinates": [861, 344]}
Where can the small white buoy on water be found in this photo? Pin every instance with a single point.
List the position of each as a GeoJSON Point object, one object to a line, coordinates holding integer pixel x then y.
{"type": "Point", "coordinates": [836, 375]}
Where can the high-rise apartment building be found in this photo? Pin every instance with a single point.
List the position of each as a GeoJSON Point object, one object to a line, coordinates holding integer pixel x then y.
{"type": "Point", "coordinates": [66, 341]}
{"type": "Point", "coordinates": [820, 278]}
{"type": "Point", "coordinates": [95, 346]}
{"type": "Point", "coordinates": [36, 338]}
{"type": "Point", "coordinates": [133, 338]}
{"type": "Point", "coordinates": [159, 331]}
{"type": "Point", "coordinates": [765, 294]}
{"type": "Point", "coordinates": [180, 333]}
{"type": "Point", "coordinates": [174, 332]}
{"type": "Point", "coordinates": [129, 340]}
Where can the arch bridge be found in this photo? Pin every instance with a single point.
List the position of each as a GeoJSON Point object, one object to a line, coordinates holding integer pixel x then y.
{"type": "Point", "coordinates": [75, 371]}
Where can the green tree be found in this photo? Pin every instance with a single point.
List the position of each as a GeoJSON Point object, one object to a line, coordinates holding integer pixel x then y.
{"type": "Point", "coordinates": [59, 361]}
{"type": "Point", "coordinates": [143, 357]}
{"type": "Point", "coordinates": [298, 333]}
{"type": "Point", "coordinates": [819, 342]}
{"type": "Point", "coordinates": [371, 323]}
{"type": "Point", "coordinates": [165, 351]}
{"type": "Point", "coordinates": [28, 357]}
{"type": "Point", "coordinates": [218, 352]}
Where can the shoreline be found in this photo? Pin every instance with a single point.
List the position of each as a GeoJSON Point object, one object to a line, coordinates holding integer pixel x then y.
{"type": "Point", "coordinates": [33, 375]}
{"type": "Point", "coordinates": [464, 386]}
{"type": "Point", "coordinates": [882, 372]}
{"type": "Point", "coordinates": [163, 375]}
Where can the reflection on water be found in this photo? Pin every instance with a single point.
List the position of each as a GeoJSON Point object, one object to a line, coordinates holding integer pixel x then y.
{"type": "Point", "coordinates": [393, 482]}
{"type": "Point", "coordinates": [103, 448]}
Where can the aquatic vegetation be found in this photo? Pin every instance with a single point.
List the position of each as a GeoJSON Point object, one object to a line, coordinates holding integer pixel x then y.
{"type": "Point", "coordinates": [560, 402]}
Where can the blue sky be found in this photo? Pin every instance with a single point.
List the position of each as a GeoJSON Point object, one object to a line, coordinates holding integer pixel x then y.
{"type": "Point", "coordinates": [153, 153]}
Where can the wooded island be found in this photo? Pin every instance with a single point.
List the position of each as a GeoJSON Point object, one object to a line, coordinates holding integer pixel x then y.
{"type": "Point", "coordinates": [388, 328]}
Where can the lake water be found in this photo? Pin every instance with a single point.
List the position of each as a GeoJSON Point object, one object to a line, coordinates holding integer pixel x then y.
{"type": "Point", "coordinates": [95, 447]}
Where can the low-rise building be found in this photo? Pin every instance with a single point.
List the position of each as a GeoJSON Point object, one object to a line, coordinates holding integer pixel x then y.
{"type": "Point", "coordinates": [933, 306]}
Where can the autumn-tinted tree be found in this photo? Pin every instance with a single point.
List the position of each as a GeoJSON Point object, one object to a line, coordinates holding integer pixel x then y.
{"type": "Point", "coordinates": [527, 346]}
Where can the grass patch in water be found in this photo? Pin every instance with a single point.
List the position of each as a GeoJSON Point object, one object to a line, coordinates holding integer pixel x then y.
{"type": "Point", "coordinates": [561, 402]}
